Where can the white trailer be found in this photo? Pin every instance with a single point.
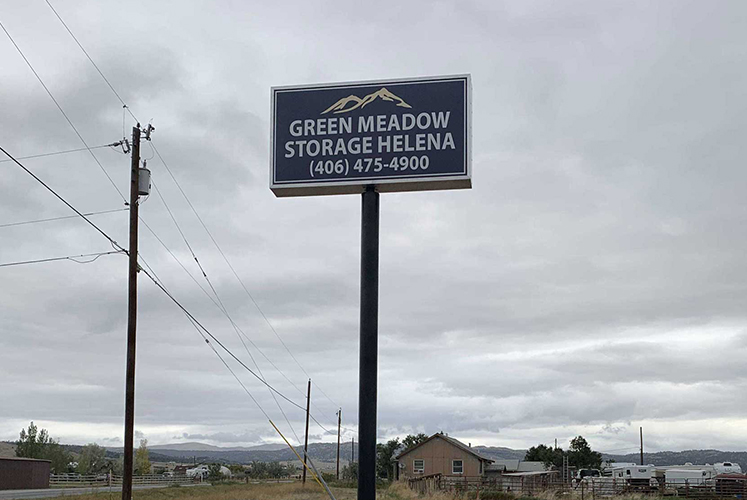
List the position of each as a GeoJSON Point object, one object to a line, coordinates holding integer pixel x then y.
{"type": "Point", "coordinates": [640, 476]}
{"type": "Point", "coordinates": [688, 477]}
{"type": "Point", "coordinates": [727, 468]}
{"type": "Point", "coordinates": [634, 472]}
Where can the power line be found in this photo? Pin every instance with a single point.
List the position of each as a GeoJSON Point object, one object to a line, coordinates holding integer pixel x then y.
{"type": "Point", "coordinates": [88, 148]}
{"type": "Point", "coordinates": [215, 339]}
{"type": "Point", "coordinates": [124, 105]}
{"type": "Point", "coordinates": [157, 282]}
{"type": "Point", "coordinates": [70, 257]}
{"type": "Point", "coordinates": [64, 152]}
{"type": "Point", "coordinates": [207, 294]}
{"type": "Point", "coordinates": [151, 275]}
{"type": "Point", "coordinates": [197, 326]}
{"type": "Point", "coordinates": [13, 224]}
{"type": "Point", "coordinates": [63, 200]}
{"type": "Point", "coordinates": [89, 58]}
{"type": "Point", "coordinates": [241, 282]}
{"type": "Point", "coordinates": [238, 330]}
{"type": "Point", "coordinates": [222, 306]}
{"type": "Point", "coordinates": [223, 309]}
{"type": "Point", "coordinates": [243, 386]}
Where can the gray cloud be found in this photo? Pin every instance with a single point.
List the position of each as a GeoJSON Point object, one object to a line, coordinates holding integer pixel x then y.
{"type": "Point", "coordinates": [592, 279]}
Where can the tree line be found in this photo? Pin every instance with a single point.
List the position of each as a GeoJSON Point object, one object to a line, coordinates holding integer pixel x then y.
{"type": "Point", "coordinates": [579, 455]}
{"type": "Point", "coordinates": [36, 443]}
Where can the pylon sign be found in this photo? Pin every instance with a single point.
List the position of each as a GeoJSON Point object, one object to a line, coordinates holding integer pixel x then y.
{"type": "Point", "coordinates": [400, 135]}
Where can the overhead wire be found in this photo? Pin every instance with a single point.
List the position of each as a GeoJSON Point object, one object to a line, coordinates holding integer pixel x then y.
{"type": "Point", "coordinates": [63, 200]}
{"type": "Point", "coordinates": [233, 270]}
{"type": "Point", "coordinates": [69, 257]}
{"type": "Point", "coordinates": [121, 249]}
{"type": "Point", "coordinates": [63, 152]}
{"type": "Point", "coordinates": [160, 240]}
{"type": "Point", "coordinates": [207, 279]}
{"type": "Point", "coordinates": [91, 60]}
{"type": "Point", "coordinates": [51, 219]}
{"type": "Point", "coordinates": [259, 309]}
{"type": "Point", "coordinates": [162, 287]}
{"type": "Point", "coordinates": [87, 148]}
{"type": "Point", "coordinates": [221, 306]}
{"type": "Point", "coordinates": [314, 472]}
{"type": "Point", "coordinates": [126, 107]}
{"type": "Point", "coordinates": [75, 129]}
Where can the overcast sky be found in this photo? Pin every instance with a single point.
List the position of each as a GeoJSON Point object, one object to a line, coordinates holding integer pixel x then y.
{"type": "Point", "coordinates": [591, 282]}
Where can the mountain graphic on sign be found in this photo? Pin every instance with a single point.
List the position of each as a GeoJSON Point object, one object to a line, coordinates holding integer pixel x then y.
{"type": "Point", "coordinates": [352, 102]}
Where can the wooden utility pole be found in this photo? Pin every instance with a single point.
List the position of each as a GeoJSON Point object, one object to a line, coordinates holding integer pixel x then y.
{"type": "Point", "coordinates": [641, 445]}
{"type": "Point", "coordinates": [352, 451]}
{"type": "Point", "coordinates": [339, 422]}
{"type": "Point", "coordinates": [131, 317]}
{"type": "Point", "coordinates": [306, 437]}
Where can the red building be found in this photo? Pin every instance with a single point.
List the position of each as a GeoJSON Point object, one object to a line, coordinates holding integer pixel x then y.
{"type": "Point", "coordinates": [24, 473]}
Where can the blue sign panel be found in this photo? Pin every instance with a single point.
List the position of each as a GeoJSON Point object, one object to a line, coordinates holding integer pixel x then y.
{"type": "Point", "coordinates": [400, 135]}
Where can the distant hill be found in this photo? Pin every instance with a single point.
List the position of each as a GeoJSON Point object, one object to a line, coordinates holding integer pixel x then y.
{"type": "Point", "coordinates": [208, 447]}
{"type": "Point", "coordinates": [327, 452]}
{"type": "Point", "coordinates": [500, 453]}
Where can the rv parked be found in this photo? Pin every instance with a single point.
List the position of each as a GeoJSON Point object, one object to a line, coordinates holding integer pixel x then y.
{"type": "Point", "coordinates": [640, 476]}
{"type": "Point", "coordinates": [608, 467]}
{"type": "Point", "coordinates": [688, 477]}
{"type": "Point", "coordinates": [727, 468]}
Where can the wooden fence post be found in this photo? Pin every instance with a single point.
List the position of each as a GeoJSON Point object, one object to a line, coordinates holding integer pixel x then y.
{"type": "Point", "coordinates": [593, 495]}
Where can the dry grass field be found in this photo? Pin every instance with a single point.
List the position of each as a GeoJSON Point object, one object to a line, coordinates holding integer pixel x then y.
{"type": "Point", "coordinates": [269, 491]}
{"type": "Point", "coordinates": [7, 450]}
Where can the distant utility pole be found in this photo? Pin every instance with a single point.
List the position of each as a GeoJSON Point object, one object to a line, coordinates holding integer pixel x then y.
{"type": "Point", "coordinates": [352, 452]}
{"type": "Point", "coordinates": [641, 445]}
{"type": "Point", "coordinates": [306, 437]}
{"type": "Point", "coordinates": [138, 186]}
{"type": "Point", "coordinates": [556, 443]}
{"type": "Point", "coordinates": [339, 421]}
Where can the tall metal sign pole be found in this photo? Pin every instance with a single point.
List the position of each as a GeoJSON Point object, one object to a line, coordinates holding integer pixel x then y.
{"type": "Point", "coordinates": [369, 344]}
{"type": "Point", "coordinates": [369, 138]}
{"type": "Point", "coordinates": [131, 317]}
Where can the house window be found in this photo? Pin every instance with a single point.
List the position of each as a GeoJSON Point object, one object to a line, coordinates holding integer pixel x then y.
{"type": "Point", "coordinates": [457, 467]}
{"type": "Point", "coordinates": [418, 466]}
